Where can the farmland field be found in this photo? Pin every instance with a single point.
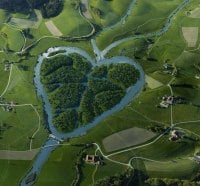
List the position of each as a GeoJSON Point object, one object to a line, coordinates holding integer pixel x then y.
{"type": "Point", "coordinates": [126, 138]}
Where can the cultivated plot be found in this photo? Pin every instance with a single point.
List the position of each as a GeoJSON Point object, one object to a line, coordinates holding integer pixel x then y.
{"type": "Point", "coordinates": [191, 35]}
{"type": "Point", "coordinates": [195, 13]}
{"type": "Point", "coordinates": [127, 138]}
{"type": "Point", "coordinates": [32, 22]}
{"type": "Point", "coordinates": [53, 29]}
{"type": "Point", "coordinates": [152, 83]}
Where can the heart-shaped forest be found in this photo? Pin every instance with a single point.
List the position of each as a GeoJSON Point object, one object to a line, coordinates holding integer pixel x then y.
{"type": "Point", "coordinates": [79, 91]}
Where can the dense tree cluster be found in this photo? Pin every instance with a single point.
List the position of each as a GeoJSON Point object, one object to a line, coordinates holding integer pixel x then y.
{"type": "Point", "coordinates": [169, 182]}
{"type": "Point", "coordinates": [49, 8]}
{"type": "Point", "coordinates": [64, 78]}
{"type": "Point", "coordinates": [65, 121]}
{"type": "Point", "coordinates": [72, 84]}
{"type": "Point", "coordinates": [136, 177]}
{"type": "Point", "coordinates": [52, 8]}
{"type": "Point", "coordinates": [124, 75]}
{"type": "Point", "coordinates": [100, 72]}
{"type": "Point", "coordinates": [14, 5]}
{"type": "Point", "coordinates": [129, 177]}
{"type": "Point", "coordinates": [97, 11]}
{"type": "Point", "coordinates": [66, 96]}
{"type": "Point", "coordinates": [64, 69]}
{"type": "Point", "coordinates": [103, 91]}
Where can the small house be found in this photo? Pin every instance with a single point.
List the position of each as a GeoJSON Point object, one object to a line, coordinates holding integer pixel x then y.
{"type": "Point", "coordinates": [93, 159]}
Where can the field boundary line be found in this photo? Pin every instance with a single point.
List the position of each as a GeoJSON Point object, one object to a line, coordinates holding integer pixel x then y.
{"type": "Point", "coordinates": [9, 79]}
{"type": "Point", "coordinates": [137, 147]}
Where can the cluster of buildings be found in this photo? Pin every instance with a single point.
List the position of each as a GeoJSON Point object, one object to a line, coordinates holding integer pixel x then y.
{"type": "Point", "coordinates": [8, 107]}
{"type": "Point", "coordinates": [169, 69]}
{"type": "Point", "coordinates": [93, 159]}
{"type": "Point", "coordinates": [174, 135]}
{"type": "Point", "coordinates": [7, 66]}
{"type": "Point", "coordinates": [170, 100]}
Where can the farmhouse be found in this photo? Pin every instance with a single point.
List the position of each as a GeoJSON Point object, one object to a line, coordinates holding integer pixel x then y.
{"type": "Point", "coordinates": [197, 158]}
{"type": "Point", "coordinates": [171, 100]}
{"type": "Point", "coordinates": [166, 101]}
{"type": "Point", "coordinates": [168, 66]}
{"type": "Point", "coordinates": [93, 159]}
{"type": "Point", "coordinates": [7, 66]}
{"type": "Point", "coordinates": [174, 135]}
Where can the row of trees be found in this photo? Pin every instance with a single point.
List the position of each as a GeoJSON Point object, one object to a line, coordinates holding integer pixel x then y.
{"type": "Point", "coordinates": [136, 177]}
{"type": "Point", "coordinates": [129, 177]}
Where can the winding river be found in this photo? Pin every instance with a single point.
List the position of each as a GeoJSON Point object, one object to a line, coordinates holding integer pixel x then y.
{"type": "Point", "coordinates": [54, 141]}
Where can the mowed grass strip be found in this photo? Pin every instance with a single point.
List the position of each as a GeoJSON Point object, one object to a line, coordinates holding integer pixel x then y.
{"type": "Point", "coordinates": [18, 155]}
{"type": "Point", "coordinates": [25, 23]}
{"type": "Point", "coordinates": [152, 83]}
{"type": "Point", "coordinates": [191, 35]}
{"type": "Point", "coordinates": [53, 29]}
{"type": "Point", "coordinates": [195, 13]}
{"type": "Point", "coordinates": [127, 138]}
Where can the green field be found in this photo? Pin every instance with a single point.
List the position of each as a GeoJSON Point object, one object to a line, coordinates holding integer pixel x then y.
{"type": "Point", "coordinates": [146, 17]}
{"type": "Point", "coordinates": [181, 168]}
{"type": "Point", "coordinates": [4, 75]}
{"type": "Point", "coordinates": [14, 38]}
{"type": "Point", "coordinates": [23, 119]}
{"type": "Point", "coordinates": [12, 171]}
{"type": "Point", "coordinates": [70, 22]}
{"type": "Point", "coordinates": [60, 168]}
{"type": "Point", "coordinates": [112, 11]}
